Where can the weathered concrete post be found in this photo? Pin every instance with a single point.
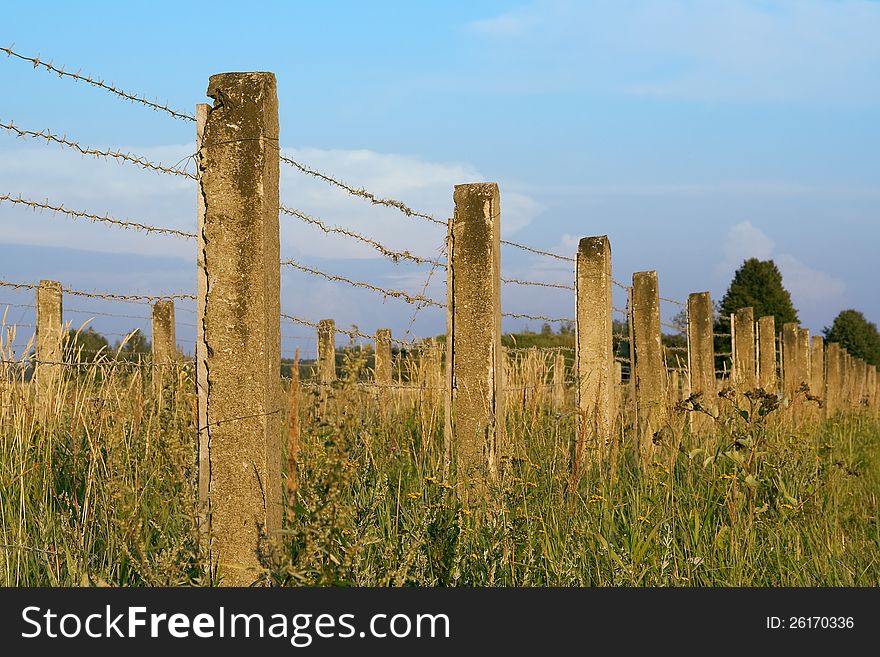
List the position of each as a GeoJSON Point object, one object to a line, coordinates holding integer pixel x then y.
{"type": "Point", "coordinates": [701, 356]}
{"type": "Point", "coordinates": [803, 357]}
{"type": "Point", "coordinates": [817, 368]}
{"type": "Point", "coordinates": [49, 346]}
{"type": "Point", "coordinates": [833, 380]}
{"type": "Point", "coordinates": [871, 382]}
{"type": "Point", "coordinates": [861, 380]}
{"type": "Point", "coordinates": [650, 370]}
{"type": "Point", "coordinates": [845, 380]}
{"type": "Point", "coordinates": [767, 353]}
{"type": "Point", "coordinates": [383, 357]}
{"type": "Point", "coordinates": [327, 351]}
{"type": "Point", "coordinates": [559, 381]}
{"type": "Point", "coordinates": [790, 373]}
{"type": "Point", "coordinates": [164, 341]}
{"type": "Point", "coordinates": [594, 355]}
{"type": "Point", "coordinates": [744, 367]}
{"type": "Point", "coordinates": [238, 164]}
{"type": "Point", "coordinates": [202, 110]}
{"type": "Point", "coordinates": [474, 358]}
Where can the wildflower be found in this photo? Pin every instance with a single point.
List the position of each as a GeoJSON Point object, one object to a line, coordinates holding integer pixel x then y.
{"type": "Point", "coordinates": [414, 496]}
{"type": "Point", "coordinates": [726, 475]}
{"type": "Point", "coordinates": [787, 506]}
{"type": "Point", "coordinates": [644, 519]}
{"type": "Point", "coordinates": [466, 512]}
{"type": "Point", "coordinates": [432, 480]}
{"type": "Point", "coordinates": [446, 485]}
{"type": "Point", "coordinates": [596, 498]}
{"type": "Point", "coordinates": [531, 484]}
{"type": "Point", "coordinates": [474, 555]}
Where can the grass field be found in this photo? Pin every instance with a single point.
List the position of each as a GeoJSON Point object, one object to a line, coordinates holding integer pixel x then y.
{"type": "Point", "coordinates": [102, 491]}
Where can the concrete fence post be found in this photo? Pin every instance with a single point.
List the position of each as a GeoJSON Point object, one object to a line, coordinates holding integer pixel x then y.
{"type": "Point", "coordinates": [804, 364]}
{"type": "Point", "coordinates": [701, 356]}
{"type": "Point", "coordinates": [238, 164]}
{"type": "Point", "coordinates": [49, 345]}
{"type": "Point", "coordinates": [767, 353]}
{"type": "Point", "coordinates": [790, 372]}
{"type": "Point", "coordinates": [817, 368]}
{"type": "Point", "coordinates": [832, 391]}
{"type": "Point", "coordinates": [871, 382]}
{"type": "Point", "coordinates": [327, 351]}
{"type": "Point", "coordinates": [164, 347]}
{"type": "Point", "coordinates": [559, 381]}
{"type": "Point", "coordinates": [475, 437]}
{"type": "Point", "coordinates": [861, 383]}
{"type": "Point", "coordinates": [650, 370]}
{"type": "Point", "coordinates": [594, 355]}
{"type": "Point", "coordinates": [744, 365]}
{"type": "Point", "coordinates": [845, 380]}
{"type": "Point", "coordinates": [382, 369]}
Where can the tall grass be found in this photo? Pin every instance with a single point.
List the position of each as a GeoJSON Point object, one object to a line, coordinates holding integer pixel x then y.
{"type": "Point", "coordinates": [103, 490]}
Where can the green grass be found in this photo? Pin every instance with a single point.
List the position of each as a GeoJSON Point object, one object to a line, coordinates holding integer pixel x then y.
{"type": "Point", "coordinates": [103, 492]}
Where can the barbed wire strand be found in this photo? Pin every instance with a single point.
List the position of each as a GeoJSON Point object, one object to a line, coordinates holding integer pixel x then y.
{"type": "Point", "coordinates": [78, 214]}
{"type": "Point", "coordinates": [37, 63]}
{"type": "Point", "coordinates": [396, 294]}
{"type": "Point", "coordinates": [517, 281]}
{"type": "Point", "coordinates": [128, 298]}
{"type": "Point", "coordinates": [389, 253]}
{"type": "Point", "coordinates": [136, 160]}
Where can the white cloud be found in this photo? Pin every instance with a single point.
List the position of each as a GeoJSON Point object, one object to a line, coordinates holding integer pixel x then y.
{"type": "Point", "coordinates": [744, 241]}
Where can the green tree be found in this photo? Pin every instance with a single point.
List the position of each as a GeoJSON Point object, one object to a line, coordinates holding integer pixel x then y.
{"type": "Point", "coordinates": [84, 345]}
{"type": "Point", "coordinates": [758, 283]}
{"type": "Point", "coordinates": [850, 329]}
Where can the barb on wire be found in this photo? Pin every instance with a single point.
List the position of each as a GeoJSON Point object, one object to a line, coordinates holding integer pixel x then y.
{"type": "Point", "coordinates": [142, 162]}
{"type": "Point", "coordinates": [537, 318]}
{"type": "Point", "coordinates": [397, 294]}
{"type": "Point", "coordinates": [78, 214]}
{"type": "Point", "coordinates": [673, 301]}
{"type": "Point", "coordinates": [391, 254]}
{"type": "Point", "coordinates": [619, 284]}
{"type": "Point", "coordinates": [132, 298]}
{"type": "Point", "coordinates": [622, 311]}
{"type": "Point", "coordinates": [38, 63]}
{"type": "Point", "coordinates": [16, 305]}
{"type": "Point", "coordinates": [349, 333]}
{"type": "Point", "coordinates": [363, 193]}
{"type": "Point", "coordinates": [516, 281]}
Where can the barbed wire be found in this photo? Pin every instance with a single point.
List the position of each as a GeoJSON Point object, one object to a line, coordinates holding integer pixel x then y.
{"type": "Point", "coordinates": [37, 62]}
{"type": "Point", "coordinates": [622, 311]}
{"type": "Point", "coordinates": [78, 214]}
{"type": "Point", "coordinates": [389, 253]}
{"type": "Point", "coordinates": [537, 318]}
{"type": "Point", "coordinates": [128, 298]}
{"type": "Point", "coordinates": [530, 249]}
{"type": "Point", "coordinates": [27, 360]}
{"type": "Point", "coordinates": [396, 294]}
{"type": "Point", "coordinates": [671, 326]}
{"type": "Point", "coordinates": [516, 281]}
{"type": "Point", "coordinates": [136, 160]}
{"type": "Point", "coordinates": [349, 333]}
{"type": "Point", "coordinates": [619, 284]}
{"type": "Point", "coordinates": [361, 192]}
{"type": "Point", "coordinates": [673, 301]}
{"type": "Point", "coordinates": [17, 305]}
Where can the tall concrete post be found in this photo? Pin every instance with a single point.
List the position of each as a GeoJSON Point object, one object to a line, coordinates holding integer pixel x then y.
{"type": "Point", "coordinates": [817, 368]}
{"type": "Point", "coordinates": [238, 164]}
{"type": "Point", "coordinates": [871, 382]}
{"type": "Point", "coordinates": [650, 370]}
{"type": "Point", "coordinates": [744, 366]}
{"type": "Point", "coordinates": [803, 357]}
{"type": "Point", "coordinates": [833, 390]}
{"type": "Point", "coordinates": [202, 110]}
{"type": "Point", "coordinates": [767, 353]}
{"type": "Point", "coordinates": [382, 367]}
{"type": "Point", "coordinates": [701, 356]}
{"type": "Point", "coordinates": [49, 345]}
{"type": "Point", "coordinates": [861, 380]}
{"type": "Point", "coordinates": [845, 380]}
{"type": "Point", "coordinates": [594, 355]}
{"type": "Point", "coordinates": [790, 381]}
{"type": "Point", "coordinates": [164, 347]}
{"type": "Point", "coordinates": [474, 359]}
{"type": "Point", "coordinates": [326, 351]}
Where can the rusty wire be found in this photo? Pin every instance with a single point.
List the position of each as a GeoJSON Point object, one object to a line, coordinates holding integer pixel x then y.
{"type": "Point", "coordinates": [516, 281]}
{"type": "Point", "coordinates": [396, 294]}
{"type": "Point", "coordinates": [362, 193]}
{"type": "Point", "coordinates": [539, 318]}
{"type": "Point", "coordinates": [78, 214]}
{"type": "Point", "coordinates": [129, 298]}
{"type": "Point", "coordinates": [350, 333]}
{"type": "Point", "coordinates": [137, 160]}
{"type": "Point", "coordinates": [37, 62]}
{"type": "Point", "coordinates": [389, 253]}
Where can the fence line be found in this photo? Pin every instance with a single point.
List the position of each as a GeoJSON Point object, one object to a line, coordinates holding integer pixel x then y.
{"type": "Point", "coordinates": [516, 281]}
{"type": "Point", "coordinates": [79, 214]}
{"type": "Point", "coordinates": [127, 298]}
{"type": "Point", "coordinates": [136, 160]}
{"type": "Point", "coordinates": [38, 63]}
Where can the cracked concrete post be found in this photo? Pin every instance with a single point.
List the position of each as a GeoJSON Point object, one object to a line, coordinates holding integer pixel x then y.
{"type": "Point", "coordinates": [650, 370]}
{"type": "Point", "coordinates": [202, 110]}
{"type": "Point", "coordinates": [744, 367]}
{"type": "Point", "coordinates": [475, 399]}
{"type": "Point", "coordinates": [559, 381]}
{"type": "Point", "coordinates": [833, 381]}
{"type": "Point", "coordinates": [238, 163]}
{"type": "Point", "coordinates": [790, 381]}
{"type": "Point", "coordinates": [164, 342]}
{"type": "Point", "coordinates": [49, 346]}
{"type": "Point", "coordinates": [701, 357]}
{"type": "Point", "coordinates": [767, 354]}
{"type": "Point", "coordinates": [594, 354]}
{"type": "Point", "coordinates": [326, 351]}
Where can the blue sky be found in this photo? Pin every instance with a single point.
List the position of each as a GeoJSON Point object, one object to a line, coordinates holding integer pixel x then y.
{"type": "Point", "coordinates": [694, 133]}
